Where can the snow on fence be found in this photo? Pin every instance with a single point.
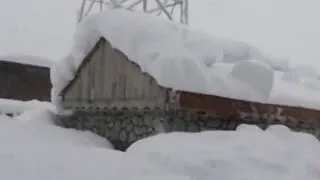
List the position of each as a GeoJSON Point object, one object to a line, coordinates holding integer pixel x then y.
{"type": "Point", "coordinates": [15, 107]}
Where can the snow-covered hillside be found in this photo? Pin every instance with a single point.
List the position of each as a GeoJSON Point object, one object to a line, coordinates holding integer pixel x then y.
{"type": "Point", "coordinates": [33, 148]}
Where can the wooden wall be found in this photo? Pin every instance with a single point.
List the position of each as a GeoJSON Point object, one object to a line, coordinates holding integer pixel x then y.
{"type": "Point", "coordinates": [24, 82]}
{"type": "Point", "coordinates": [107, 78]}
{"type": "Point", "coordinates": [259, 112]}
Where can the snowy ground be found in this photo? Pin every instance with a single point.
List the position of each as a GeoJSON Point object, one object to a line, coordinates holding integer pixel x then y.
{"type": "Point", "coordinates": [32, 148]}
{"type": "Point", "coordinates": [9, 106]}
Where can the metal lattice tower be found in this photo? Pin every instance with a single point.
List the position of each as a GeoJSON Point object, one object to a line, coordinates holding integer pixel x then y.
{"type": "Point", "coordinates": [176, 10]}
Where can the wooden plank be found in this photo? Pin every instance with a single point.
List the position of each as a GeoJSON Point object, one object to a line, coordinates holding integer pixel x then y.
{"type": "Point", "coordinates": [119, 77]}
{"type": "Point", "coordinates": [74, 92]}
{"type": "Point", "coordinates": [97, 73]}
{"type": "Point", "coordinates": [127, 82]}
{"type": "Point", "coordinates": [78, 88]}
{"type": "Point", "coordinates": [70, 95]}
{"type": "Point", "coordinates": [85, 84]}
{"type": "Point", "coordinates": [115, 74]}
{"type": "Point", "coordinates": [138, 84]}
{"type": "Point", "coordinates": [122, 76]}
{"type": "Point", "coordinates": [134, 81]}
{"type": "Point", "coordinates": [108, 69]}
{"type": "Point", "coordinates": [229, 108]}
{"type": "Point", "coordinates": [102, 74]}
{"type": "Point", "coordinates": [154, 89]}
{"type": "Point", "coordinates": [148, 88]}
{"type": "Point", "coordinates": [91, 83]}
{"type": "Point", "coordinates": [125, 79]}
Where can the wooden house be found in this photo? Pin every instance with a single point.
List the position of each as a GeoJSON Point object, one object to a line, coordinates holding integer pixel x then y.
{"type": "Point", "coordinates": [112, 97]}
{"type": "Point", "coordinates": [23, 80]}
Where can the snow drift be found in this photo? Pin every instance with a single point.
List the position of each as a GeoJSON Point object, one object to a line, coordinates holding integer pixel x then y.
{"type": "Point", "coordinates": [32, 147]}
{"type": "Point", "coordinates": [8, 106]}
{"type": "Point", "coordinates": [247, 153]}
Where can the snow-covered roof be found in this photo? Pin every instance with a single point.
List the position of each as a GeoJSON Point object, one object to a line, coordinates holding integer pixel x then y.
{"type": "Point", "coordinates": [27, 59]}
{"type": "Point", "coordinates": [183, 59]}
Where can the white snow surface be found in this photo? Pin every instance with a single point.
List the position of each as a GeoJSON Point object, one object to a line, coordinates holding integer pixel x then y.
{"type": "Point", "coordinates": [9, 106]}
{"type": "Point", "coordinates": [33, 148]}
{"type": "Point", "coordinates": [184, 59]}
{"type": "Point", "coordinates": [27, 59]}
{"type": "Point", "coordinates": [248, 153]}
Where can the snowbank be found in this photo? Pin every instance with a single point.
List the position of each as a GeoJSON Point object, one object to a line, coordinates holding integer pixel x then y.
{"type": "Point", "coordinates": [248, 153]}
{"type": "Point", "coordinates": [8, 106]}
{"type": "Point", "coordinates": [253, 79]}
{"type": "Point", "coordinates": [39, 125]}
{"type": "Point", "coordinates": [27, 59]}
{"type": "Point", "coordinates": [32, 147]}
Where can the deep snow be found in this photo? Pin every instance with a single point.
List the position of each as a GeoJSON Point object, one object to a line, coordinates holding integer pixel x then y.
{"type": "Point", "coordinates": [9, 106]}
{"type": "Point", "coordinates": [33, 148]}
{"type": "Point", "coordinates": [247, 153]}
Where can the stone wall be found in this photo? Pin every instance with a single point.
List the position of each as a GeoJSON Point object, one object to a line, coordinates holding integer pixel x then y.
{"type": "Point", "coordinates": [123, 127]}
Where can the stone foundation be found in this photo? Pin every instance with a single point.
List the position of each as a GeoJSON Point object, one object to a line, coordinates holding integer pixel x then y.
{"type": "Point", "coordinates": [123, 127]}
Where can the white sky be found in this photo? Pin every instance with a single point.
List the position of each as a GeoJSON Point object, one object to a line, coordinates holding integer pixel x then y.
{"type": "Point", "coordinates": [37, 27]}
{"type": "Point", "coordinates": [286, 28]}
